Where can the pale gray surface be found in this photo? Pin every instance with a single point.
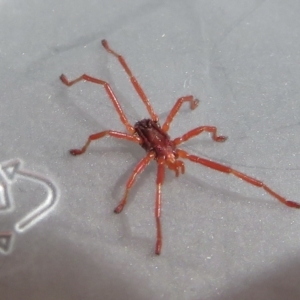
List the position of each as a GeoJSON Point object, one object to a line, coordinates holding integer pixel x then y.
{"type": "Point", "coordinates": [223, 239]}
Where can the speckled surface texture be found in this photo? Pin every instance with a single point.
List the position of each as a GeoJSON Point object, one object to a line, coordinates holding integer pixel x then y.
{"type": "Point", "coordinates": [223, 239]}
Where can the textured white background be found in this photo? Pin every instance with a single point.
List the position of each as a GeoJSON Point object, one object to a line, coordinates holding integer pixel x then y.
{"type": "Point", "coordinates": [223, 239]}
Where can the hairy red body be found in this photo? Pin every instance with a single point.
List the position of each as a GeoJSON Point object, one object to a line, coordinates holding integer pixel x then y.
{"type": "Point", "coordinates": [155, 139]}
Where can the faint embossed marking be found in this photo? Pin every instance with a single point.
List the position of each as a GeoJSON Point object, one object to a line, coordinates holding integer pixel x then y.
{"type": "Point", "coordinates": [10, 171]}
{"type": "Point", "coordinates": [5, 241]}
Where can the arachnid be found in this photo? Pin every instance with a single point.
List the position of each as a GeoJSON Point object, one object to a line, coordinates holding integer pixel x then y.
{"type": "Point", "coordinates": [153, 137]}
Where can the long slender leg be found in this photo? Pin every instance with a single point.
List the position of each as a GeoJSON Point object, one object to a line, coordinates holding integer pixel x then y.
{"type": "Point", "coordinates": [159, 183]}
{"type": "Point", "coordinates": [228, 170]}
{"type": "Point", "coordinates": [109, 92]}
{"type": "Point", "coordinates": [193, 104]}
{"type": "Point", "coordinates": [133, 80]}
{"type": "Point", "coordinates": [139, 168]}
{"type": "Point", "coordinates": [199, 130]}
{"type": "Point", "coordinates": [99, 135]}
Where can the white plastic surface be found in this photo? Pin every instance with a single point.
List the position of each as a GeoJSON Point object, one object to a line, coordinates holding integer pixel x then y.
{"type": "Point", "coordinates": [223, 239]}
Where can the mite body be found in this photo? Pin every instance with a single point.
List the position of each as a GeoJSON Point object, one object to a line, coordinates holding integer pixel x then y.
{"type": "Point", "coordinates": [158, 145]}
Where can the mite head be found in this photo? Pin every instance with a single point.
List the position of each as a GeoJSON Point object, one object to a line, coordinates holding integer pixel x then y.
{"type": "Point", "coordinates": [175, 164]}
{"type": "Point", "coordinates": [171, 158]}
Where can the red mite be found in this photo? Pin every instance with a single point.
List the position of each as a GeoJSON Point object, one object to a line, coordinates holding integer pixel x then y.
{"type": "Point", "coordinates": [153, 137]}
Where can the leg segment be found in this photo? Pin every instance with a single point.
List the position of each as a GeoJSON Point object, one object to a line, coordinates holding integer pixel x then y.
{"type": "Point", "coordinates": [193, 104]}
{"type": "Point", "coordinates": [159, 183]}
{"type": "Point", "coordinates": [140, 167]}
{"type": "Point", "coordinates": [133, 80]}
{"type": "Point", "coordinates": [99, 135]}
{"type": "Point", "coordinates": [228, 170]}
{"type": "Point", "coordinates": [199, 130]}
{"type": "Point", "coordinates": [109, 92]}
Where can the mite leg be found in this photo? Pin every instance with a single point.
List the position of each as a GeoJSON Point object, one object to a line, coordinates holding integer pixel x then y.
{"type": "Point", "coordinates": [140, 167]}
{"type": "Point", "coordinates": [199, 130]}
{"type": "Point", "coordinates": [99, 135]}
{"type": "Point", "coordinates": [193, 104]}
{"type": "Point", "coordinates": [159, 183]}
{"type": "Point", "coordinates": [133, 80]}
{"type": "Point", "coordinates": [109, 92]}
{"type": "Point", "coordinates": [228, 170]}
